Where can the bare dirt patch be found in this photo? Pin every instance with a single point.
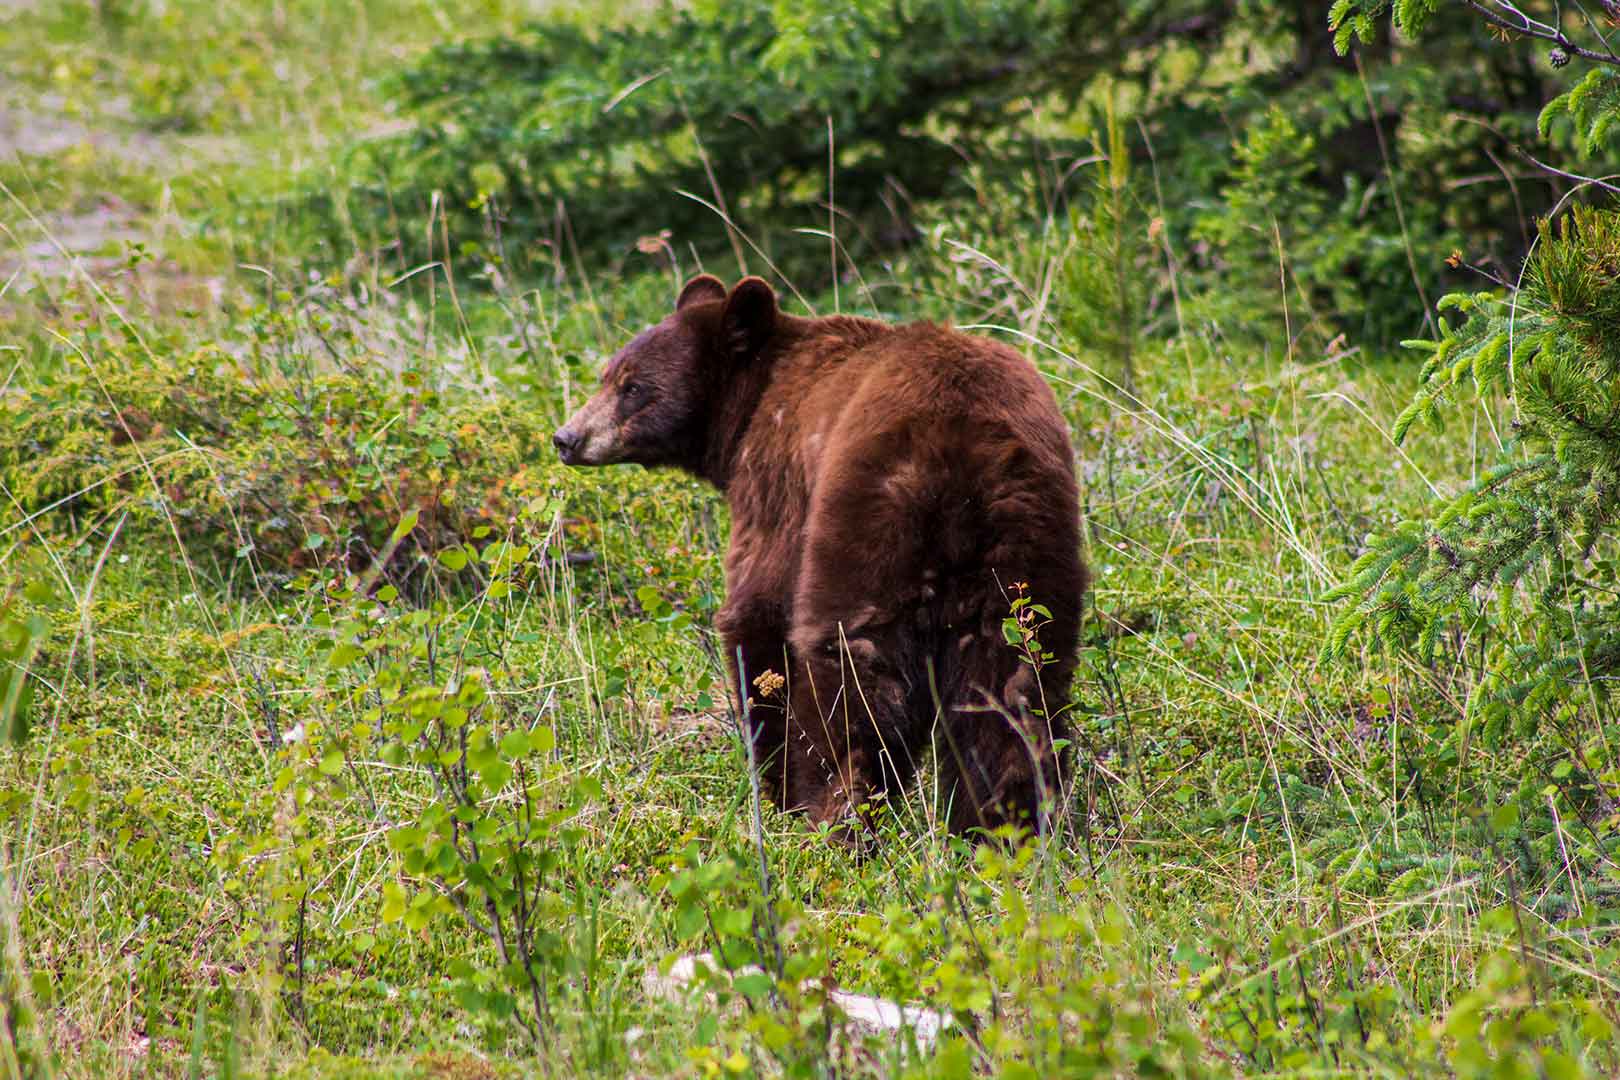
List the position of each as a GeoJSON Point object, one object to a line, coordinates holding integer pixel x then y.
{"type": "Point", "coordinates": [43, 246]}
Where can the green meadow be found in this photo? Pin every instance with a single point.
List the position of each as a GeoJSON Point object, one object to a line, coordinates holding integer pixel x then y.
{"type": "Point", "coordinates": [348, 733]}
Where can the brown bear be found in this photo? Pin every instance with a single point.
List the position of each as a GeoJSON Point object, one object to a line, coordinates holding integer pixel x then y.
{"type": "Point", "coordinates": [893, 490]}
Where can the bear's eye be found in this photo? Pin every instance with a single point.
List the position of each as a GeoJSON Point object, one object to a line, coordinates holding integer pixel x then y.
{"type": "Point", "coordinates": [631, 389]}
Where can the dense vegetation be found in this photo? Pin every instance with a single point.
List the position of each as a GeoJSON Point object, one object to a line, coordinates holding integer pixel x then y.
{"type": "Point", "coordinates": [342, 731]}
{"type": "Point", "coordinates": [597, 143]}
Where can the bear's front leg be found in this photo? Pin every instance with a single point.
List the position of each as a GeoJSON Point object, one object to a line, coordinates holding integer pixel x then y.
{"type": "Point", "coordinates": [761, 667]}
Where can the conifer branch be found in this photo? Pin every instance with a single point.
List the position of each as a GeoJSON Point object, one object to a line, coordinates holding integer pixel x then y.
{"type": "Point", "coordinates": [1535, 28]}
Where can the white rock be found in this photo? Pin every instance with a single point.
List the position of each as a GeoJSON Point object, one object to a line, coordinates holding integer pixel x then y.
{"type": "Point", "coordinates": [871, 1015]}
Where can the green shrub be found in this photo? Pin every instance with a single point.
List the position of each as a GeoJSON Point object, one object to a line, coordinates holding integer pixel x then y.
{"type": "Point", "coordinates": [1540, 521]}
{"type": "Point", "coordinates": [270, 467]}
{"type": "Point", "coordinates": [566, 144]}
{"type": "Point", "coordinates": [588, 138]}
{"type": "Point", "coordinates": [424, 733]}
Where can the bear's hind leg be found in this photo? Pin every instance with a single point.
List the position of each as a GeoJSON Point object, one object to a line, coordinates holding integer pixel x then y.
{"type": "Point", "coordinates": [862, 612]}
{"type": "Point", "coordinates": [850, 738]}
{"type": "Point", "coordinates": [997, 763]}
{"type": "Point", "coordinates": [996, 745]}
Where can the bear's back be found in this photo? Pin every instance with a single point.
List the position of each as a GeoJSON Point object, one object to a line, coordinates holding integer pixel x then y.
{"type": "Point", "coordinates": [845, 384]}
{"type": "Point", "coordinates": [949, 424]}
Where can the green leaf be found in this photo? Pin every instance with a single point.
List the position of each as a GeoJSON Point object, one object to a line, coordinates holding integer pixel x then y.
{"type": "Point", "coordinates": [588, 787]}
{"type": "Point", "coordinates": [488, 766]}
{"type": "Point", "coordinates": [343, 654]}
{"type": "Point", "coordinates": [406, 524]}
{"type": "Point", "coordinates": [753, 984]}
{"type": "Point", "coordinates": [690, 920]}
{"type": "Point", "coordinates": [393, 902]}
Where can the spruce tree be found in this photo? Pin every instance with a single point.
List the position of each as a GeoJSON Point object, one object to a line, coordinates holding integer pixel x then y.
{"type": "Point", "coordinates": [1537, 530]}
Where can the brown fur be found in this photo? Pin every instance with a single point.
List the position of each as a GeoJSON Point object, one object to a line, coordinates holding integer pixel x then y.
{"type": "Point", "coordinates": [891, 488]}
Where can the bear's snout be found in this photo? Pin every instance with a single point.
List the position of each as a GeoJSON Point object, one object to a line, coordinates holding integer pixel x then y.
{"type": "Point", "coordinates": [591, 436]}
{"type": "Point", "coordinates": [567, 443]}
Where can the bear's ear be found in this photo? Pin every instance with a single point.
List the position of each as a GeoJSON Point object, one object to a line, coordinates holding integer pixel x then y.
{"type": "Point", "coordinates": [749, 319]}
{"type": "Point", "coordinates": [701, 289]}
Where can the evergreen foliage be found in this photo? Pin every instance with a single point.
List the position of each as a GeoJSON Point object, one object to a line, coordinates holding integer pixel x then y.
{"type": "Point", "coordinates": [1593, 104]}
{"type": "Point", "coordinates": [1540, 522]}
{"type": "Point", "coordinates": [1105, 284]}
{"type": "Point", "coordinates": [575, 145]}
{"type": "Point", "coordinates": [1553, 347]}
{"type": "Point", "coordinates": [618, 122]}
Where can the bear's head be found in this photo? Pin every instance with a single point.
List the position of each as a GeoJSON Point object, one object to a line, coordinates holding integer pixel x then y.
{"type": "Point", "coordinates": [658, 392]}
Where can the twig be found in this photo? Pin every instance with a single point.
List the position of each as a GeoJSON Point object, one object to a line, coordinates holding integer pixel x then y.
{"type": "Point", "coordinates": [1554, 170]}
{"type": "Point", "coordinates": [1531, 28]}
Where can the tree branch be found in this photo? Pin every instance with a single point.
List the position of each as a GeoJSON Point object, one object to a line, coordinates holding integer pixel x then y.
{"type": "Point", "coordinates": [1546, 32]}
{"type": "Point", "coordinates": [1554, 170]}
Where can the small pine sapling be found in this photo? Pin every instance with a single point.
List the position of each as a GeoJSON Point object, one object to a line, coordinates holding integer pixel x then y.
{"type": "Point", "coordinates": [1546, 514]}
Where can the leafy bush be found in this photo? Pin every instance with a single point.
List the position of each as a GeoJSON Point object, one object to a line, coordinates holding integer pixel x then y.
{"type": "Point", "coordinates": [1035, 980]}
{"type": "Point", "coordinates": [274, 461]}
{"type": "Point", "coordinates": [588, 136]}
{"type": "Point", "coordinates": [568, 143]}
{"type": "Point", "coordinates": [423, 734]}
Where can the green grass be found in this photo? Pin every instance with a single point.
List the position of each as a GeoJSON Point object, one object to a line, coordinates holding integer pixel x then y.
{"type": "Point", "coordinates": [1272, 865]}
